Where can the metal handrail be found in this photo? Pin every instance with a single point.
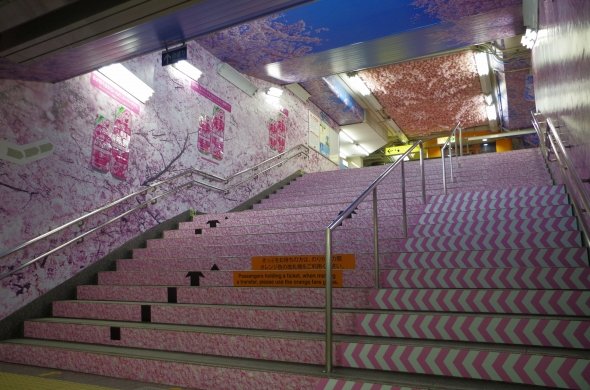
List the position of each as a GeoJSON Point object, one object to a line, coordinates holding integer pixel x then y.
{"type": "Point", "coordinates": [345, 214]}
{"type": "Point", "coordinates": [302, 150]}
{"type": "Point", "coordinates": [548, 135]}
{"type": "Point", "coordinates": [442, 153]}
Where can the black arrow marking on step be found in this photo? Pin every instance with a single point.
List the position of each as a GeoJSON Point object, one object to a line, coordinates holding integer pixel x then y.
{"type": "Point", "coordinates": [215, 268]}
{"type": "Point", "coordinates": [172, 295]}
{"type": "Point", "coordinates": [115, 333]}
{"type": "Point", "coordinates": [213, 223]}
{"type": "Point", "coordinates": [195, 276]}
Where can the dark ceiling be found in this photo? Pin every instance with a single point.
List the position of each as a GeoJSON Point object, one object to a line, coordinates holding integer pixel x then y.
{"type": "Point", "coordinates": [286, 41]}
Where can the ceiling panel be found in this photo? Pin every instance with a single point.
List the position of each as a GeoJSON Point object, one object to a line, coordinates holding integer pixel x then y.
{"type": "Point", "coordinates": [430, 96]}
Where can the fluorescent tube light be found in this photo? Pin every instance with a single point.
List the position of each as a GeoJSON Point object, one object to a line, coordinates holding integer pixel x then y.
{"type": "Point", "coordinates": [188, 70]}
{"type": "Point", "coordinates": [484, 139]}
{"type": "Point", "coordinates": [274, 92]}
{"type": "Point", "coordinates": [125, 79]}
{"type": "Point", "coordinates": [482, 64]}
{"type": "Point", "coordinates": [298, 91]}
{"type": "Point", "coordinates": [359, 86]}
{"type": "Point", "coordinates": [491, 113]}
{"type": "Point", "coordinates": [346, 137]}
{"type": "Point", "coordinates": [236, 78]}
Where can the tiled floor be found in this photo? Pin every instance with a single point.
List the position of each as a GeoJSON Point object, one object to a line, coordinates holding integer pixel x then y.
{"type": "Point", "coordinates": [39, 378]}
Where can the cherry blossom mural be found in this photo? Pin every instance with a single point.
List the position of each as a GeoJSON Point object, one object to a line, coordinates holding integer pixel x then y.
{"type": "Point", "coordinates": [103, 151]}
{"type": "Point", "coordinates": [431, 95]}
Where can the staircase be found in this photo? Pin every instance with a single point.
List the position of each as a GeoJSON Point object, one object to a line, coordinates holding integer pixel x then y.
{"type": "Point", "coordinates": [489, 290]}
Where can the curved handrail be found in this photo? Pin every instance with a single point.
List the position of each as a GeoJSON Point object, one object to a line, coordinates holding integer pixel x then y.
{"type": "Point", "coordinates": [301, 150]}
{"type": "Point", "coordinates": [581, 203]}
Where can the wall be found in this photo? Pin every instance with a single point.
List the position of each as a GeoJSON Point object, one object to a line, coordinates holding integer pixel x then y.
{"type": "Point", "coordinates": [61, 186]}
{"type": "Point", "coordinates": [562, 74]}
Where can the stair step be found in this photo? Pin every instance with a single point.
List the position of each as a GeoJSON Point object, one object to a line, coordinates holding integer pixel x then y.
{"type": "Point", "coordinates": [563, 332]}
{"type": "Point", "coordinates": [486, 278]}
{"type": "Point", "coordinates": [512, 367]}
{"type": "Point", "coordinates": [495, 258]}
{"type": "Point", "coordinates": [495, 204]}
{"type": "Point", "coordinates": [496, 227]}
{"type": "Point", "coordinates": [498, 194]}
{"type": "Point", "coordinates": [568, 239]}
{"type": "Point", "coordinates": [550, 302]}
{"type": "Point", "coordinates": [284, 278]}
{"type": "Point", "coordinates": [510, 214]}
{"type": "Point", "coordinates": [173, 368]}
{"type": "Point", "coordinates": [543, 302]}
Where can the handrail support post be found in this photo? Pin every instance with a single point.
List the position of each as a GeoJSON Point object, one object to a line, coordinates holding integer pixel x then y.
{"type": "Point", "coordinates": [328, 319]}
{"type": "Point", "coordinates": [376, 237]}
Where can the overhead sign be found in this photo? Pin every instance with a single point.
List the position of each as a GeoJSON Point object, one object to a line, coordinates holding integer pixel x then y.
{"type": "Point", "coordinates": [442, 140]}
{"type": "Point", "coordinates": [395, 150]}
{"type": "Point", "coordinates": [172, 56]}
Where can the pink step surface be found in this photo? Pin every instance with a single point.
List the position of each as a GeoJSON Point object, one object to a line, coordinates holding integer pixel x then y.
{"type": "Point", "coordinates": [484, 328]}
{"type": "Point", "coordinates": [495, 258]}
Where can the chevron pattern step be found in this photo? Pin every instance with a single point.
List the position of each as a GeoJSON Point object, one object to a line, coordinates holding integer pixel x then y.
{"type": "Point", "coordinates": [558, 211]}
{"type": "Point", "coordinates": [543, 302]}
{"type": "Point", "coordinates": [496, 227]}
{"type": "Point", "coordinates": [569, 239]}
{"type": "Point", "coordinates": [544, 332]}
{"type": "Point", "coordinates": [511, 367]}
{"type": "Point", "coordinates": [295, 278]}
{"type": "Point", "coordinates": [175, 369]}
{"type": "Point", "coordinates": [341, 384]}
{"type": "Point", "coordinates": [357, 298]}
{"type": "Point", "coordinates": [483, 278]}
{"type": "Point", "coordinates": [503, 258]}
{"type": "Point", "coordinates": [498, 194]}
{"type": "Point", "coordinates": [494, 204]}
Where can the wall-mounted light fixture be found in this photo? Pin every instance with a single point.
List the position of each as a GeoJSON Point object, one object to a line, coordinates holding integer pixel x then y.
{"type": "Point", "coordinates": [482, 64]}
{"type": "Point", "coordinates": [298, 91]}
{"type": "Point", "coordinates": [188, 69]}
{"type": "Point", "coordinates": [236, 78]}
{"type": "Point", "coordinates": [125, 79]}
{"type": "Point", "coordinates": [274, 92]}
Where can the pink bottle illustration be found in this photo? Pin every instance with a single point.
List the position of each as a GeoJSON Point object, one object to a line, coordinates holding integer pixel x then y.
{"type": "Point", "coordinates": [101, 145]}
{"type": "Point", "coordinates": [217, 133]}
{"type": "Point", "coordinates": [120, 142]}
{"type": "Point", "coordinates": [204, 140]}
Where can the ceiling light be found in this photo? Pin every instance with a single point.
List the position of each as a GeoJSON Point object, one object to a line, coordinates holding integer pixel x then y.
{"type": "Point", "coordinates": [488, 99]}
{"type": "Point", "coordinates": [485, 144]}
{"type": "Point", "coordinates": [359, 86]}
{"type": "Point", "coordinates": [188, 70]}
{"type": "Point", "coordinates": [274, 92]}
{"type": "Point", "coordinates": [365, 152]}
{"type": "Point", "coordinates": [482, 64]}
{"type": "Point", "coordinates": [491, 113]}
{"type": "Point", "coordinates": [354, 164]}
{"type": "Point", "coordinates": [346, 137]}
{"type": "Point", "coordinates": [484, 140]}
{"type": "Point", "coordinates": [125, 79]}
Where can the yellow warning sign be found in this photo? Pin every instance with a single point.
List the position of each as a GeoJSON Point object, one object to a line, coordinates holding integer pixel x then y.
{"type": "Point", "coordinates": [302, 262]}
{"type": "Point", "coordinates": [285, 278]}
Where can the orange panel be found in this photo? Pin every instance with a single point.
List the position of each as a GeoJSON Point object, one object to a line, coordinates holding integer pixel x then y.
{"type": "Point", "coordinates": [503, 145]}
{"type": "Point", "coordinates": [302, 262]}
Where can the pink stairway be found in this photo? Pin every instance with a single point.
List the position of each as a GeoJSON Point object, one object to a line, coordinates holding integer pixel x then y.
{"type": "Point", "coordinates": [490, 290]}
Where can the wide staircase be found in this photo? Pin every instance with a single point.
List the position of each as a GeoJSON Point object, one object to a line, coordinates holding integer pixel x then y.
{"type": "Point", "coordinates": [488, 290]}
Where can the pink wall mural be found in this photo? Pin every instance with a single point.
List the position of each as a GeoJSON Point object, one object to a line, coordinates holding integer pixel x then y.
{"type": "Point", "coordinates": [103, 151]}
{"type": "Point", "coordinates": [431, 95]}
{"type": "Point", "coordinates": [562, 75]}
